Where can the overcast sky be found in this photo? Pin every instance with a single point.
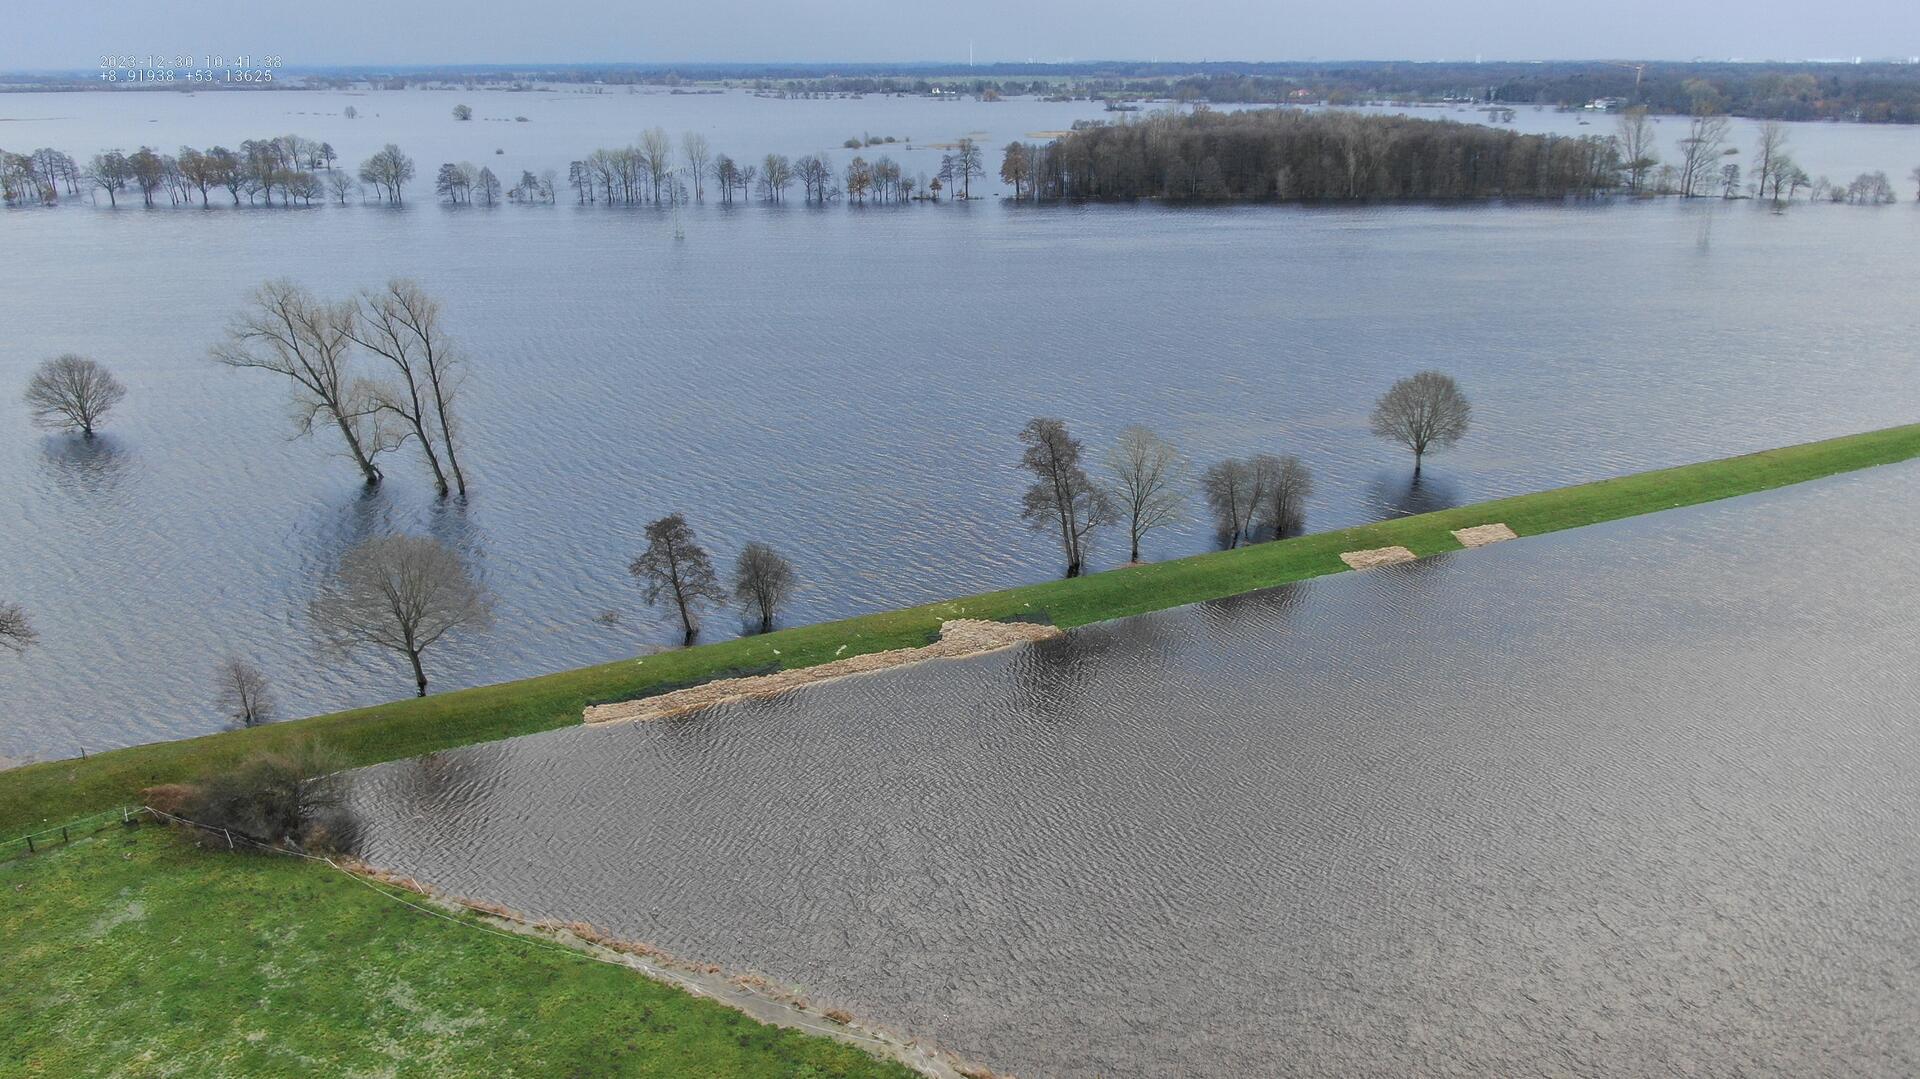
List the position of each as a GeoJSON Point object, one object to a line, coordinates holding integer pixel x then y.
{"type": "Point", "coordinates": [56, 35]}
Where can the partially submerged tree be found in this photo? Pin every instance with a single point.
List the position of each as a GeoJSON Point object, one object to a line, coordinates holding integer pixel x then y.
{"type": "Point", "coordinates": [1147, 473]}
{"type": "Point", "coordinates": [403, 594]}
{"type": "Point", "coordinates": [243, 693]}
{"type": "Point", "coordinates": [1282, 511]}
{"type": "Point", "coordinates": [388, 172]}
{"type": "Point", "coordinates": [1700, 152]}
{"type": "Point", "coordinates": [698, 156]}
{"type": "Point", "coordinates": [72, 393]}
{"type": "Point", "coordinates": [1422, 412]}
{"type": "Point", "coordinates": [1769, 159]}
{"type": "Point", "coordinates": [1016, 168]}
{"type": "Point", "coordinates": [487, 185]}
{"type": "Point", "coordinates": [1637, 152]}
{"type": "Point", "coordinates": [287, 331]}
{"type": "Point", "coordinates": [1229, 490]}
{"type": "Point", "coordinates": [762, 581]}
{"type": "Point", "coordinates": [442, 364]}
{"type": "Point", "coordinates": [16, 633]}
{"type": "Point", "coordinates": [969, 161]}
{"type": "Point", "coordinates": [110, 172]}
{"type": "Point", "coordinates": [401, 325]}
{"type": "Point", "coordinates": [454, 182]}
{"type": "Point", "coordinates": [1061, 498]}
{"type": "Point", "coordinates": [656, 160]}
{"type": "Point", "coordinates": [675, 568]}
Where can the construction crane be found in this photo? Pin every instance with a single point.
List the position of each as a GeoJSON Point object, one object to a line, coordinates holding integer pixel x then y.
{"type": "Point", "coordinates": [1638, 71]}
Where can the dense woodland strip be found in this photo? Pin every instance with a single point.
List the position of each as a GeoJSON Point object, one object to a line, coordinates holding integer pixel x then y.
{"type": "Point", "coordinates": [1288, 154]}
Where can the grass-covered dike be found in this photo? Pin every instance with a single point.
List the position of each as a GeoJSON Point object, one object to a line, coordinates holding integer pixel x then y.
{"type": "Point", "coordinates": [132, 953]}
{"type": "Point", "coordinates": [35, 795]}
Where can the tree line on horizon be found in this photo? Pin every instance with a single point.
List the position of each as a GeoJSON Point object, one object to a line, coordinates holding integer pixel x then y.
{"type": "Point", "coordinates": [1252, 155]}
{"type": "Point", "coordinates": [1871, 92]}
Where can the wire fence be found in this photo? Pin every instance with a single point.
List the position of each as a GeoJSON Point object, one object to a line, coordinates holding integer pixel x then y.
{"type": "Point", "coordinates": [54, 835]}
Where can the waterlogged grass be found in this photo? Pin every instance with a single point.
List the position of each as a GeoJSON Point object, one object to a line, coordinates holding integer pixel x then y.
{"type": "Point", "coordinates": [133, 954]}
{"type": "Point", "coordinates": [56, 791]}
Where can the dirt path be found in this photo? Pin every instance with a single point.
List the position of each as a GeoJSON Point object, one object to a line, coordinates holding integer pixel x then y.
{"type": "Point", "coordinates": [959, 638]}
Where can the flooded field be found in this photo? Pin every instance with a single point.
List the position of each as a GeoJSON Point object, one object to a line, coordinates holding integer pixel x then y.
{"type": "Point", "coordinates": [1625, 800]}
{"type": "Point", "coordinates": [843, 383]}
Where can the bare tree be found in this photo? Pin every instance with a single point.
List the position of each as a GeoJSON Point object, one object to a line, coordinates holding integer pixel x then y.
{"type": "Point", "coordinates": [1769, 158]}
{"type": "Point", "coordinates": [776, 175]}
{"type": "Point", "coordinates": [698, 156]}
{"type": "Point", "coordinates": [762, 581]}
{"type": "Point", "coordinates": [969, 161]}
{"type": "Point", "coordinates": [72, 393]}
{"type": "Point", "coordinates": [16, 633]}
{"type": "Point", "coordinates": [1228, 487]}
{"type": "Point", "coordinates": [463, 112]}
{"type": "Point", "coordinates": [1016, 168]}
{"type": "Point", "coordinates": [1422, 412]}
{"type": "Point", "coordinates": [1637, 153]}
{"type": "Point", "coordinates": [340, 184]}
{"type": "Point", "coordinates": [454, 182]}
{"type": "Point", "coordinates": [1700, 152]}
{"type": "Point", "coordinates": [1282, 510]}
{"type": "Point", "coordinates": [1061, 496]}
{"type": "Point", "coordinates": [402, 326]}
{"type": "Point", "coordinates": [1147, 474]}
{"type": "Point", "coordinates": [379, 326]}
{"type": "Point", "coordinates": [488, 185]}
{"type": "Point", "coordinates": [656, 158]}
{"type": "Point", "coordinates": [403, 594]}
{"type": "Point", "coordinates": [388, 171]}
{"type": "Point", "coordinates": [674, 566]}
{"type": "Point", "coordinates": [244, 695]}
{"type": "Point", "coordinates": [288, 332]}
{"type": "Point", "coordinates": [110, 172]}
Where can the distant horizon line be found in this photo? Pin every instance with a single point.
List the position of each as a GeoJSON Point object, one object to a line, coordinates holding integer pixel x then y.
{"type": "Point", "coordinates": [959, 65]}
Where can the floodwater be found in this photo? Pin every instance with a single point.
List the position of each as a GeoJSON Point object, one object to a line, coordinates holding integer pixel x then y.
{"type": "Point", "coordinates": [842, 383]}
{"type": "Point", "coordinates": [1633, 799]}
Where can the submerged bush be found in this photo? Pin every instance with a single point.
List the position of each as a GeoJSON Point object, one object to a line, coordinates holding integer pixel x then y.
{"type": "Point", "coordinates": [294, 796]}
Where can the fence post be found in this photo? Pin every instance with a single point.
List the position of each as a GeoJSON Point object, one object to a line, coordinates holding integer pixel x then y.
{"type": "Point", "coordinates": [63, 834]}
{"type": "Point", "coordinates": [29, 844]}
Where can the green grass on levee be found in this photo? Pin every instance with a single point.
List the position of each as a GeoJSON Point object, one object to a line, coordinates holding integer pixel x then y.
{"type": "Point", "coordinates": [61, 790]}
{"type": "Point", "coordinates": [131, 953]}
